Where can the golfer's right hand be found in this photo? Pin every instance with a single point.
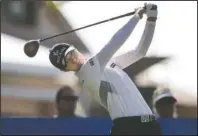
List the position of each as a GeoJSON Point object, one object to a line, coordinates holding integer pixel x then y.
{"type": "Point", "coordinates": [151, 11]}
{"type": "Point", "coordinates": [140, 12]}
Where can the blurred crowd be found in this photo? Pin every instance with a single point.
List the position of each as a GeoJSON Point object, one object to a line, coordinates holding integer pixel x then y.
{"type": "Point", "coordinates": [164, 104]}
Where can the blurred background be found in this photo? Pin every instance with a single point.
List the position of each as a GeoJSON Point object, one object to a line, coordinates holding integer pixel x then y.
{"type": "Point", "coordinates": [29, 85]}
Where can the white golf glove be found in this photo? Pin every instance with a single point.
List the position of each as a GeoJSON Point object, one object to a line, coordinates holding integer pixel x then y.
{"type": "Point", "coordinates": [151, 11]}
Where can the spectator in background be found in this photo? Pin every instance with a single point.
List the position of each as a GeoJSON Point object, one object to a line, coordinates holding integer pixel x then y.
{"type": "Point", "coordinates": [66, 102]}
{"type": "Point", "coordinates": [164, 103]}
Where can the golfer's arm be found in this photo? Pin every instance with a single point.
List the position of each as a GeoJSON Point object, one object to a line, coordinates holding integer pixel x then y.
{"type": "Point", "coordinates": [141, 49]}
{"type": "Point", "coordinates": [116, 41]}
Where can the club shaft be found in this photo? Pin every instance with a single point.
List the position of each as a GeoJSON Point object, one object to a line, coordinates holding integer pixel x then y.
{"type": "Point", "coordinates": [107, 20]}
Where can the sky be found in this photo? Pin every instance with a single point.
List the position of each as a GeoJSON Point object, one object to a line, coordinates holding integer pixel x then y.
{"type": "Point", "coordinates": [175, 36]}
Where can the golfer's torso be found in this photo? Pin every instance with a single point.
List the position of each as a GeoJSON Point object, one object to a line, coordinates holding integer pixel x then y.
{"type": "Point", "coordinates": [114, 90]}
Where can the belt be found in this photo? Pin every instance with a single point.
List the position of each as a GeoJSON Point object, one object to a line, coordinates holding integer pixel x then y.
{"type": "Point", "coordinates": [143, 119]}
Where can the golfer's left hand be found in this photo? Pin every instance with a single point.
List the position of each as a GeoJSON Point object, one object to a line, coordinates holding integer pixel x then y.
{"type": "Point", "coordinates": [151, 11]}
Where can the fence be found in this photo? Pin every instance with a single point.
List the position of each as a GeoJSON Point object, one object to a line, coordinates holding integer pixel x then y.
{"type": "Point", "coordinates": [60, 126]}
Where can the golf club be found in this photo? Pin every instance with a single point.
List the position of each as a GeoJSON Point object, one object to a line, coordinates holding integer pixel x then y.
{"type": "Point", "coordinates": [32, 46]}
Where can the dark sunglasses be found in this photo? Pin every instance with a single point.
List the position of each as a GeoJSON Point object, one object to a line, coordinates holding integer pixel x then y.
{"type": "Point", "coordinates": [69, 98]}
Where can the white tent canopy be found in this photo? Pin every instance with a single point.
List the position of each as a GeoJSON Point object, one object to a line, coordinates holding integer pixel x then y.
{"type": "Point", "coordinates": [13, 59]}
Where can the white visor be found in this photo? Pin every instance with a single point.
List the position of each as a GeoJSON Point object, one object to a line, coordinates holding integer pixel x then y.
{"type": "Point", "coordinates": [69, 49]}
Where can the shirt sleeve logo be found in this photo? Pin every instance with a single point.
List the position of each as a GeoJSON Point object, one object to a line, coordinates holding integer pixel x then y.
{"type": "Point", "coordinates": [91, 62]}
{"type": "Point", "coordinates": [113, 65]}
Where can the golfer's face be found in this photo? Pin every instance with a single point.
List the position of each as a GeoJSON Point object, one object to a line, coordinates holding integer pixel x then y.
{"type": "Point", "coordinates": [74, 59]}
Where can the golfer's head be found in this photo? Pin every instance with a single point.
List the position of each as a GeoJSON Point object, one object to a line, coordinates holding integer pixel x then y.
{"type": "Point", "coordinates": [65, 57]}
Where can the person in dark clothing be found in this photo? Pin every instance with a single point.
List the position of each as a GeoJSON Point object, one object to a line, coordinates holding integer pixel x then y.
{"type": "Point", "coordinates": [164, 103]}
{"type": "Point", "coordinates": [66, 102]}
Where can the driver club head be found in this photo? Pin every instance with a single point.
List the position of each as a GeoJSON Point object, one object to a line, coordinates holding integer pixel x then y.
{"type": "Point", "coordinates": [31, 47]}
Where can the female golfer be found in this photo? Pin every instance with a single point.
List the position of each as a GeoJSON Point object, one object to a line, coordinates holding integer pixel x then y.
{"type": "Point", "coordinates": [108, 83]}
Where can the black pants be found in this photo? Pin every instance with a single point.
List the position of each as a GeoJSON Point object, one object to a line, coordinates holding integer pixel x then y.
{"type": "Point", "coordinates": [137, 125]}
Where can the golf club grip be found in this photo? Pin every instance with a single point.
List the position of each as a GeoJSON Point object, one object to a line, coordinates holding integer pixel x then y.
{"type": "Point", "coordinates": [107, 20]}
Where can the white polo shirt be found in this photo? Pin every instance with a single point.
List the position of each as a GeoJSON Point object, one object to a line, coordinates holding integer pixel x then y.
{"type": "Point", "coordinates": [114, 89]}
{"type": "Point", "coordinates": [109, 84]}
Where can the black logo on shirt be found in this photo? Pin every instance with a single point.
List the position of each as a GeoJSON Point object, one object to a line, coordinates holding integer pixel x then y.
{"type": "Point", "coordinates": [82, 82]}
{"type": "Point", "coordinates": [91, 62]}
{"type": "Point", "coordinates": [113, 65]}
